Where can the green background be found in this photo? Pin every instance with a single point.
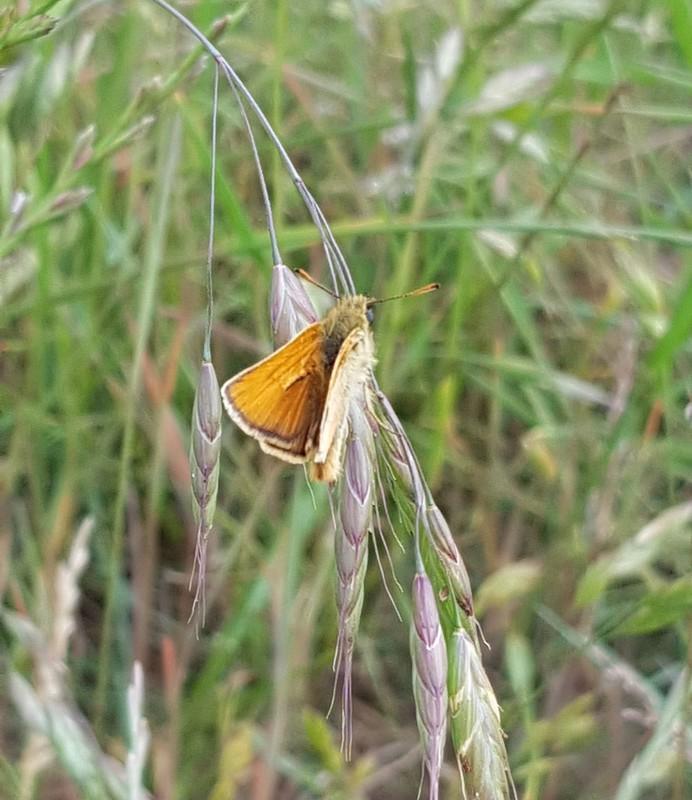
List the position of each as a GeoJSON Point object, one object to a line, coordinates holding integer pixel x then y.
{"type": "Point", "coordinates": [532, 157]}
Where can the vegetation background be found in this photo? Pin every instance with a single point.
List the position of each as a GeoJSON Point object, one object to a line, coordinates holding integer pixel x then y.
{"type": "Point", "coordinates": [533, 157]}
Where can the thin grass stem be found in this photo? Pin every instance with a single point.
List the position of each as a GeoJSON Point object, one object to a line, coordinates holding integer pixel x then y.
{"type": "Point", "coordinates": [276, 254]}
{"type": "Point", "coordinates": [212, 204]}
{"type": "Point", "coordinates": [340, 273]}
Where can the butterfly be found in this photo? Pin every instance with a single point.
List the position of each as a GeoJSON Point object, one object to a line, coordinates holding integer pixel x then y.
{"type": "Point", "coordinates": [295, 401]}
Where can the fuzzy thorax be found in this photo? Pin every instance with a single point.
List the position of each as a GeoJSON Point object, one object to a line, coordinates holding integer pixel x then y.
{"type": "Point", "coordinates": [349, 312]}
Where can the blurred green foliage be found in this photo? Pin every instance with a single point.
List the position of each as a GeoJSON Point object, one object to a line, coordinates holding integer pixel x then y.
{"type": "Point", "coordinates": [531, 156]}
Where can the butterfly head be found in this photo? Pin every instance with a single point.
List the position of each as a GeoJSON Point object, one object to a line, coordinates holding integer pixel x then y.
{"type": "Point", "coordinates": [349, 312]}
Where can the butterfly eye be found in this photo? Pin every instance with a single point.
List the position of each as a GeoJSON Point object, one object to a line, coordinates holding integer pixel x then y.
{"type": "Point", "coordinates": [369, 315]}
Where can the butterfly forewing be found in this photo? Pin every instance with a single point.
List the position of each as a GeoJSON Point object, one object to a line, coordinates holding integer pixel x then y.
{"type": "Point", "coordinates": [280, 400]}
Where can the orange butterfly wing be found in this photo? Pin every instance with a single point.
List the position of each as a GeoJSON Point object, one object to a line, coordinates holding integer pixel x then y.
{"type": "Point", "coordinates": [280, 400]}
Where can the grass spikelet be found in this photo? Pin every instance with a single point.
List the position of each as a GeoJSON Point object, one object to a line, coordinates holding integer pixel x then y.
{"type": "Point", "coordinates": [429, 656]}
{"type": "Point", "coordinates": [351, 556]}
{"type": "Point", "coordinates": [205, 449]}
{"type": "Point", "coordinates": [474, 714]}
{"type": "Point", "coordinates": [290, 308]}
{"type": "Point", "coordinates": [69, 200]}
{"type": "Point", "coordinates": [474, 722]}
{"type": "Point", "coordinates": [65, 599]}
{"type": "Point", "coordinates": [83, 147]}
{"type": "Point", "coordinates": [398, 453]}
{"type": "Point", "coordinates": [445, 548]}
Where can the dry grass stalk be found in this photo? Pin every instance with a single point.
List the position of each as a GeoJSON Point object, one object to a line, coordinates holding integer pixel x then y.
{"type": "Point", "coordinates": [58, 731]}
{"type": "Point", "coordinates": [48, 644]}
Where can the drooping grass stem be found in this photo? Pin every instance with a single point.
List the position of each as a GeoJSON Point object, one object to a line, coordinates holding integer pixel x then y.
{"type": "Point", "coordinates": [340, 273]}
{"type": "Point", "coordinates": [276, 254]}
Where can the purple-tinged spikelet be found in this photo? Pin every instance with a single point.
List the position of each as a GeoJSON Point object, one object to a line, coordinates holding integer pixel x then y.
{"type": "Point", "coordinates": [429, 654]}
{"type": "Point", "coordinates": [205, 450]}
{"type": "Point", "coordinates": [449, 556]}
{"type": "Point", "coordinates": [474, 712]}
{"type": "Point", "coordinates": [475, 723]}
{"type": "Point", "coordinates": [400, 455]}
{"type": "Point", "coordinates": [351, 555]}
{"type": "Point", "coordinates": [290, 308]}
{"type": "Point", "coordinates": [402, 458]}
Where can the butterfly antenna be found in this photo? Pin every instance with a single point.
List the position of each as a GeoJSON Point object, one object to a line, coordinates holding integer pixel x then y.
{"type": "Point", "coordinates": [307, 277]}
{"type": "Point", "coordinates": [429, 287]}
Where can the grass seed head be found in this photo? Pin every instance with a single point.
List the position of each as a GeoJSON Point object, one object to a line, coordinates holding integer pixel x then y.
{"type": "Point", "coordinates": [358, 476]}
{"type": "Point", "coordinates": [205, 451]}
{"type": "Point", "coordinates": [290, 308]}
{"type": "Point", "coordinates": [475, 723]}
{"type": "Point", "coordinates": [448, 553]}
{"type": "Point", "coordinates": [206, 444]}
{"type": "Point", "coordinates": [429, 655]}
{"type": "Point", "coordinates": [351, 554]}
{"type": "Point", "coordinates": [400, 455]}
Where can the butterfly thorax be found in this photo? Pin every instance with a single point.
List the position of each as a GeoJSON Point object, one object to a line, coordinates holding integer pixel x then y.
{"type": "Point", "coordinates": [348, 313]}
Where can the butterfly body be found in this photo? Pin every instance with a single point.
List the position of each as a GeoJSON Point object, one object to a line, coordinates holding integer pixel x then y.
{"type": "Point", "coordinates": [295, 401]}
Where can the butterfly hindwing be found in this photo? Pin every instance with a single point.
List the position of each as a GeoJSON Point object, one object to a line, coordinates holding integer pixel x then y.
{"type": "Point", "coordinates": [348, 378]}
{"type": "Point", "coordinates": [338, 392]}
